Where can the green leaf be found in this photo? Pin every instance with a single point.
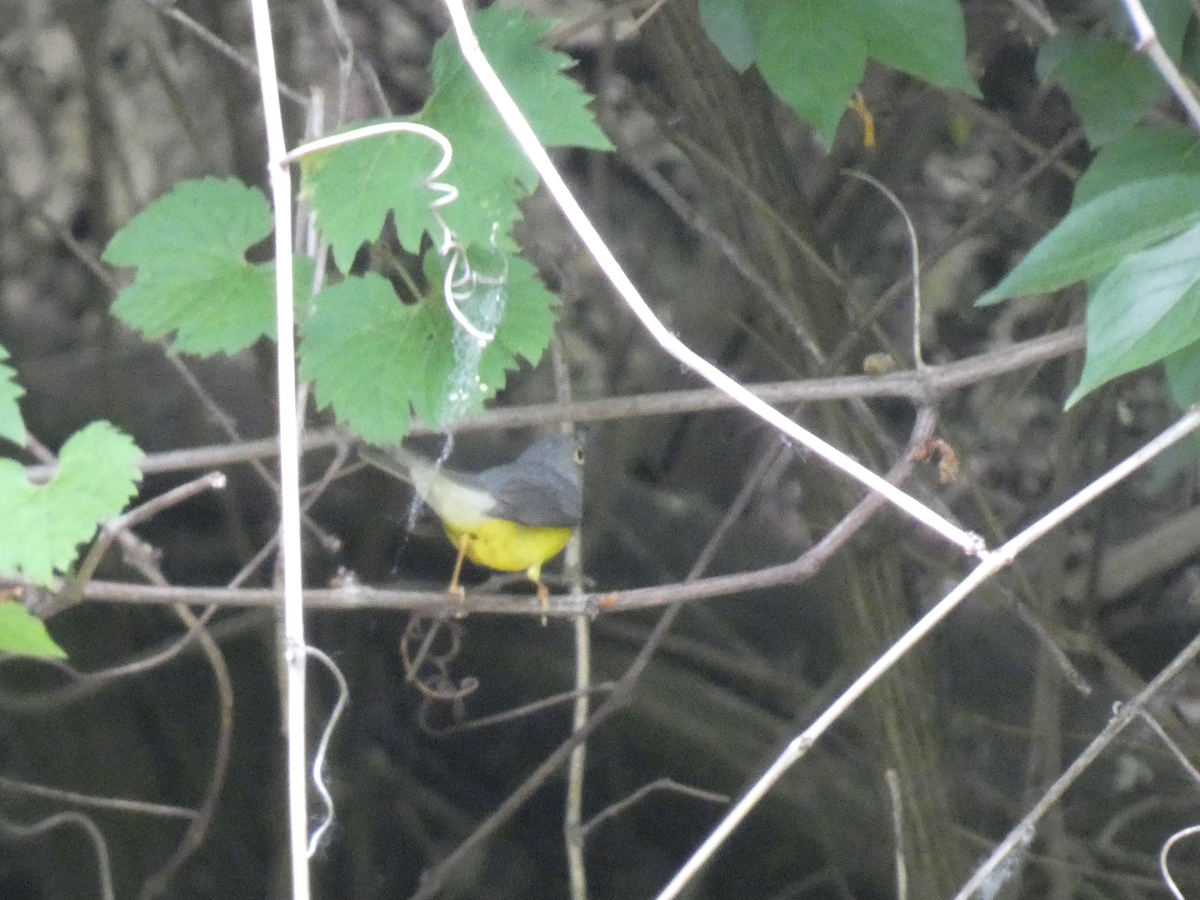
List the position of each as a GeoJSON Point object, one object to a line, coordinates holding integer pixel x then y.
{"type": "Point", "coordinates": [925, 38]}
{"type": "Point", "coordinates": [355, 186]}
{"type": "Point", "coordinates": [524, 332]}
{"type": "Point", "coordinates": [1145, 151]}
{"type": "Point", "coordinates": [42, 525]}
{"type": "Point", "coordinates": [1147, 308]}
{"type": "Point", "coordinates": [1189, 56]}
{"type": "Point", "coordinates": [12, 425]}
{"type": "Point", "coordinates": [1183, 374]}
{"type": "Point", "coordinates": [369, 355]}
{"type": "Point", "coordinates": [489, 169]}
{"type": "Point", "coordinates": [377, 361]}
{"type": "Point", "coordinates": [813, 53]}
{"type": "Point", "coordinates": [727, 24]}
{"type": "Point", "coordinates": [529, 318]}
{"type": "Point", "coordinates": [1102, 232]}
{"type": "Point", "coordinates": [24, 634]}
{"type": "Point", "coordinates": [1170, 18]}
{"type": "Point", "coordinates": [1110, 84]}
{"type": "Point", "coordinates": [189, 247]}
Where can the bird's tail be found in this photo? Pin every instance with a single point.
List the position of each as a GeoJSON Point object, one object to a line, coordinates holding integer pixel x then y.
{"type": "Point", "coordinates": [403, 464]}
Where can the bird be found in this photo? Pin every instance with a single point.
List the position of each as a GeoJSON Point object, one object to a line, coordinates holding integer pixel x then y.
{"type": "Point", "coordinates": [512, 517]}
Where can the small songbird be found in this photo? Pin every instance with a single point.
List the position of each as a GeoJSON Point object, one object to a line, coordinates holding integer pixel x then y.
{"type": "Point", "coordinates": [512, 517]}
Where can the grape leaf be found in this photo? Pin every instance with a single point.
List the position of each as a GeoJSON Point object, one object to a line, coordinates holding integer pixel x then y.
{"type": "Point", "coordinates": [377, 361]}
{"type": "Point", "coordinates": [43, 524]}
{"type": "Point", "coordinates": [355, 186]}
{"type": "Point", "coordinates": [24, 634]}
{"type": "Point", "coordinates": [12, 425]}
{"type": "Point", "coordinates": [189, 248]}
{"type": "Point", "coordinates": [370, 357]}
{"type": "Point", "coordinates": [489, 169]}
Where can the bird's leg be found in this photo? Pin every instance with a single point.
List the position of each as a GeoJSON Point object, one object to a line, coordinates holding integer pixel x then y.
{"type": "Point", "coordinates": [543, 592]}
{"type": "Point", "coordinates": [455, 588]}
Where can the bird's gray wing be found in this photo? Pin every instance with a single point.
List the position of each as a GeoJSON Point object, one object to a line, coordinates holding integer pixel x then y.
{"type": "Point", "coordinates": [548, 501]}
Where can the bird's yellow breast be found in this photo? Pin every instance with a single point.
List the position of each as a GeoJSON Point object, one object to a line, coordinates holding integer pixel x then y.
{"type": "Point", "coordinates": [509, 546]}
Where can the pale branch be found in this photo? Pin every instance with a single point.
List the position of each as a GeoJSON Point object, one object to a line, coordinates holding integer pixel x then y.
{"type": "Point", "coordinates": [111, 804]}
{"type": "Point", "coordinates": [919, 387]}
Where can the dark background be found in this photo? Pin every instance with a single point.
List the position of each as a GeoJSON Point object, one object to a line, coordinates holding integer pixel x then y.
{"type": "Point", "coordinates": [105, 105]}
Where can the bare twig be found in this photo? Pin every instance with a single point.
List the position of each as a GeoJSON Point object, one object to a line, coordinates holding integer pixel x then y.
{"type": "Point", "coordinates": [1162, 858]}
{"type": "Point", "coordinates": [193, 836]}
{"type": "Point", "coordinates": [112, 529]}
{"type": "Point", "coordinates": [1186, 764]}
{"type": "Point", "coordinates": [205, 36]}
{"type": "Point", "coordinates": [1056, 653]}
{"type": "Point", "coordinates": [573, 832]}
{"type": "Point", "coordinates": [226, 423]}
{"type": "Point", "coordinates": [1037, 14]}
{"type": "Point", "coordinates": [310, 497]}
{"type": "Point", "coordinates": [519, 712]}
{"type": "Point", "coordinates": [622, 691]}
{"type": "Point", "coordinates": [565, 32]}
{"type": "Point", "coordinates": [897, 798]}
{"type": "Point", "coordinates": [358, 596]}
{"type": "Point", "coordinates": [87, 684]}
{"type": "Point", "coordinates": [156, 884]}
{"type": "Point", "coordinates": [17, 831]}
{"type": "Point", "coordinates": [976, 110]}
{"type": "Point", "coordinates": [113, 804]}
{"type": "Point", "coordinates": [980, 218]}
{"type": "Point", "coordinates": [346, 56]}
{"type": "Point", "coordinates": [728, 248]}
{"type": "Point", "coordinates": [659, 784]}
{"type": "Point", "coordinates": [914, 260]}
